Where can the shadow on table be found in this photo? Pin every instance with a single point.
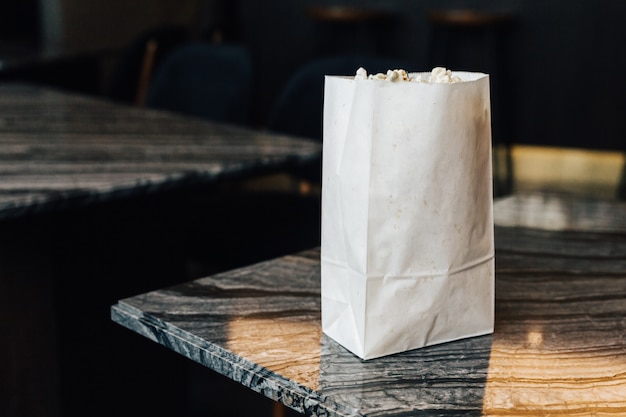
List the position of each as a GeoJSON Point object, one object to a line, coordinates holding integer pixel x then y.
{"type": "Point", "coordinates": [61, 272]}
{"type": "Point", "coordinates": [445, 379]}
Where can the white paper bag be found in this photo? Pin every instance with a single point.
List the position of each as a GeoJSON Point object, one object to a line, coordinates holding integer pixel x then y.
{"type": "Point", "coordinates": [407, 253]}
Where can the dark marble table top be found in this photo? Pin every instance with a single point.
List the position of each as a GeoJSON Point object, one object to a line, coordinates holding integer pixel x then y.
{"type": "Point", "coordinates": [59, 149]}
{"type": "Point", "coordinates": [559, 345]}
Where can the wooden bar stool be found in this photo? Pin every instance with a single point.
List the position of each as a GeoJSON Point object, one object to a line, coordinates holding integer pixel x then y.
{"type": "Point", "coordinates": [349, 29]}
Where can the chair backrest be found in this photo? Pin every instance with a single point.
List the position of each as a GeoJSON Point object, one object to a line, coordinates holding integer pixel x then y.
{"type": "Point", "coordinates": [126, 77]}
{"type": "Point", "coordinates": [211, 81]}
{"type": "Point", "coordinates": [299, 108]}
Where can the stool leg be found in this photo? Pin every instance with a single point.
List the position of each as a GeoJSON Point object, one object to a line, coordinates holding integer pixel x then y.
{"type": "Point", "coordinates": [278, 410]}
{"type": "Point", "coordinates": [501, 136]}
{"type": "Point", "coordinates": [621, 187]}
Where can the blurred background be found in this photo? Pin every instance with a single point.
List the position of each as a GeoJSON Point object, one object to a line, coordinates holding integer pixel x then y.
{"type": "Point", "coordinates": [557, 67]}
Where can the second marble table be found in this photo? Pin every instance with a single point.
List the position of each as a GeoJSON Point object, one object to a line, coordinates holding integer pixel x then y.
{"type": "Point", "coordinates": [60, 150]}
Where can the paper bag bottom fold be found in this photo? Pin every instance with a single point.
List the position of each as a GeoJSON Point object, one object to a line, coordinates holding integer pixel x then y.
{"type": "Point", "coordinates": [379, 316]}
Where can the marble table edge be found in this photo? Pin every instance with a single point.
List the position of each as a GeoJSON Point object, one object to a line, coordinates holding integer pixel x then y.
{"type": "Point", "coordinates": [46, 201]}
{"type": "Point", "coordinates": [248, 374]}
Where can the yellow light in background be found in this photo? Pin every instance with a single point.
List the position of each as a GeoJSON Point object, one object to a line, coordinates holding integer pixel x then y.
{"type": "Point", "coordinates": [596, 173]}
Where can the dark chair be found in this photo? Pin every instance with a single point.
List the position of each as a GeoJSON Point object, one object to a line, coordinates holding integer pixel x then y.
{"type": "Point", "coordinates": [210, 81]}
{"type": "Point", "coordinates": [141, 58]}
{"type": "Point", "coordinates": [298, 110]}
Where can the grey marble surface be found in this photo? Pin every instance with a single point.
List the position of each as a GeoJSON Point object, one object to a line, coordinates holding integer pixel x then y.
{"type": "Point", "coordinates": [558, 347]}
{"type": "Point", "coordinates": [59, 149]}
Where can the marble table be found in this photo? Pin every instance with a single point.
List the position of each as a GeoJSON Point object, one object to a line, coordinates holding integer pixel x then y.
{"type": "Point", "coordinates": [59, 149]}
{"type": "Point", "coordinates": [559, 345]}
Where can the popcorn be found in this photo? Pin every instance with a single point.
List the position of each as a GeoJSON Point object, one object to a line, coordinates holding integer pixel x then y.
{"type": "Point", "coordinates": [442, 75]}
{"type": "Point", "coordinates": [439, 75]}
{"type": "Point", "coordinates": [361, 74]}
{"type": "Point", "coordinates": [397, 75]}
